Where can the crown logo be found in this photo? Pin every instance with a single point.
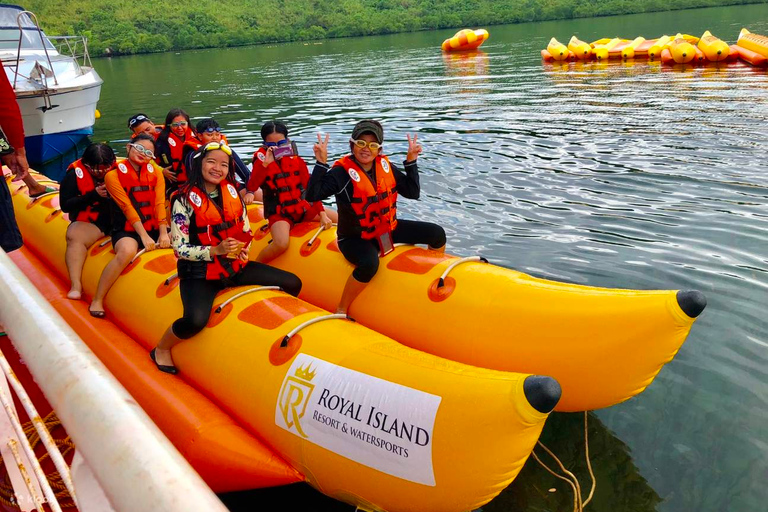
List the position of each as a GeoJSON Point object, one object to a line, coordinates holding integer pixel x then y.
{"type": "Point", "coordinates": [305, 374]}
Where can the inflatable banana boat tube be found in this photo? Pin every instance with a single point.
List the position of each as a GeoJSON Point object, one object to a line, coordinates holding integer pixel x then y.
{"type": "Point", "coordinates": [579, 48]}
{"type": "Point", "coordinates": [558, 50]}
{"type": "Point", "coordinates": [715, 49]}
{"type": "Point", "coordinates": [465, 39]}
{"type": "Point", "coordinates": [602, 345]}
{"type": "Point", "coordinates": [361, 417]}
{"type": "Point", "coordinates": [753, 42]}
{"type": "Point", "coordinates": [602, 47]}
{"type": "Point", "coordinates": [682, 51]}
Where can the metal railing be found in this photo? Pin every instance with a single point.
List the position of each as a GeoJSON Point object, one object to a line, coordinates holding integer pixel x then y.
{"type": "Point", "coordinates": [102, 419]}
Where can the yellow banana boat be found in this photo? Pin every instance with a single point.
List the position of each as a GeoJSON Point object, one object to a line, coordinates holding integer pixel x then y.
{"type": "Point", "coordinates": [602, 47]}
{"type": "Point", "coordinates": [682, 51]}
{"type": "Point", "coordinates": [753, 42]}
{"type": "Point", "coordinates": [579, 48]}
{"type": "Point", "coordinates": [602, 345]}
{"type": "Point", "coordinates": [629, 51]}
{"type": "Point", "coordinates": [558, 50]}
{"type": "Point", "coordinates": [654, 52]}
{"type": "Point", "coordinates": [363, 418]}
{"type": "Point", "coordinates": [714, 49]}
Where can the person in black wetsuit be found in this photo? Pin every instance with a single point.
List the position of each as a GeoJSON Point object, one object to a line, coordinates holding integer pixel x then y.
{"type": "Point", "coordinates": [84, 197]}
{"type": "Point", "coordinates": [366, 185]}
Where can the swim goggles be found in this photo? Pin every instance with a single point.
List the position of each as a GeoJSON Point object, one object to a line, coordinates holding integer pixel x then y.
{"type": "Point", "coordinates": [137, 119]}
{"type": "Point", "coordinates": [283, 142]}
{"type": "Point", "coordinates": [142, 150]}
{"type": "Point", "coordinates": [211, 129]}
{"type": "Point", "coordinates": [211, 146]}
{"type": "Point", "coordinates": [375, 146]}
{"type": "Point", "coordinates": [179, 124]}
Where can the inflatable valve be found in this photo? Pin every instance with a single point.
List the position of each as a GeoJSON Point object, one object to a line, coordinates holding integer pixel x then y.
{"type": "Point", "coordinates": [692, 302]}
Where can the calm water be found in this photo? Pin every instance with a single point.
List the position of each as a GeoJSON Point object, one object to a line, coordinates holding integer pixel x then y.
{"type": "Point", "coordinates": [614, 175]}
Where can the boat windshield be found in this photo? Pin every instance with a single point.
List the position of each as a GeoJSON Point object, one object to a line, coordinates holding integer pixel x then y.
{"type": "Point", "coordinates": [9, 31]}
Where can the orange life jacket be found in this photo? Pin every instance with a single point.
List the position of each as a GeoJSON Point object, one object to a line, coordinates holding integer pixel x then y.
{"type": "Point", "coordinates": [288, 178]}
{"type": "Point", "coordinates": [213, 225]}
{"type": "Point", "coordinates": [85, 184]}
{"type": "Point", "coordinates": [176, 146]}
{"type": "Point", "coordinates": [140, 188]}
{"type": "Point", "coordinates": [374, 204]}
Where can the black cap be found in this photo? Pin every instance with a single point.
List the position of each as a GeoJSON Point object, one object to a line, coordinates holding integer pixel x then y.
{"type": "Point", "coordinates": [137, 119]}
{"type": "Point", "coordinates": [369, 126]}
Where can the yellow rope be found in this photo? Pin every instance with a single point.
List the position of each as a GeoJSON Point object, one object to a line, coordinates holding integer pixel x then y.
{"type": "Point", "coordinates": [8, 497]}
{"type": "Point", "coordinates": [570, 478]}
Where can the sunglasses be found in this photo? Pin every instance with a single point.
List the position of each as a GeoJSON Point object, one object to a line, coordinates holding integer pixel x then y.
{"type": "Point", "coordinates": [213, 146]}
{"type": "Point", "coordinates": [283, 142]}
{"type": "Point", "coordinates": [142, 150]}
{"type": "Point", "coordinates": [180, 124]}
{"type": "Point", "coordinates": [375, 146]}
{"type": "Point", "coordinates": [212, 129]}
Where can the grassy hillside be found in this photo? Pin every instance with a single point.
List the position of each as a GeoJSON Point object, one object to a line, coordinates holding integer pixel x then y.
{"type": "Point", "coordinates": [126, 27]}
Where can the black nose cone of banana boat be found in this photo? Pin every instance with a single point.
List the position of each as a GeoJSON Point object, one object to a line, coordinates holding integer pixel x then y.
{"type": "Point", "coordinates": [542, 392]}
{"type": "Point", "coordinates": [692, 302]}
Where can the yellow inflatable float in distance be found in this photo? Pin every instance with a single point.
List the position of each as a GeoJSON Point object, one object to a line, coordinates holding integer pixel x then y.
{"type": "Point", "coordinates": [465, 39]}
{"type": "Point", "coordinates": [579, 48]}
{"type": "Point", "coordinates": [363, 418]}
{"type": "Point", "coordinates": [714, 49]}
{"type": "Point", "coordinates": [753, 42]}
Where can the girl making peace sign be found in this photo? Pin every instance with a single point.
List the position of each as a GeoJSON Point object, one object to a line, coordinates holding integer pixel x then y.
{"type": "Point", "coordinates": [366, 185]}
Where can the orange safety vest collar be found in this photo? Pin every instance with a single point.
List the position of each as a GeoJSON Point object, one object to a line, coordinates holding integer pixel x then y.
{"type": "Point", "coordinates": [374, 204]}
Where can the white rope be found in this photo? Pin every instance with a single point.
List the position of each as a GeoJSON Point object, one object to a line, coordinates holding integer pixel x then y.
{"type": "Point", "coordinates": [246, 292]}
{"type": "Point", "coordinates": [456, 263]}
{"type": "Point", "coordinates": [291, 334]}
{"type": "Point", "coordinates": [42, 430]}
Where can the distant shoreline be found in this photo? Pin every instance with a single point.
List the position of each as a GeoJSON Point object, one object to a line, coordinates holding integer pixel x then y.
{"type": "Point", "coordinates": [114, 28]}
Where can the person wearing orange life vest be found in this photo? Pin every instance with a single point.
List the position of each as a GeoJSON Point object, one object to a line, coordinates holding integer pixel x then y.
{"type": "Point", "coordinates": [283, 180]}
{"type": "Point", "coordinates": [208, 130]}
{"type": "Point", "coordinates": [170, 147]}
{"type": "Point", "coordinates": [211, 238]}
{"type": "Point", "coordinates": [83, 196]}
{"type": "Point", "coordinates": [138, 215]}
{"type": "Point", "coordinates": [366, 185]}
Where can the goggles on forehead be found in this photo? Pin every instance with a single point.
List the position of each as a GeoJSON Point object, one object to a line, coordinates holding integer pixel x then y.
{"type": "Point", "coordinates": [211, 129]}
{"type": "Point", "coordinates": [138, 119]}
{"type": "Point", "coordinates": [211, 146]}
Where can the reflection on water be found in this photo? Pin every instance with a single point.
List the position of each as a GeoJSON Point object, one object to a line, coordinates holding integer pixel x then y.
{"type": "Point", "coordinates": [610, 174]}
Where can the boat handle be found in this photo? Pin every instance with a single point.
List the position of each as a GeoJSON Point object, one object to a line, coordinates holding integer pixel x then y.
{"type": "Point", "coordinates": [35, 199]}
{"type": "Point", "coordinates": [246, 292]}
{"type": "Point", "coordinates": [317, 233]}
{"type": "Point", "coordinates": [309, 322]}
{"type": "Point", "coordinates": [171, 278]}
{"type": "Point", "coordinates": [105, 242]}
{"type": "Point", "coordinates": [441, 281]}
{"type": "Point", "coordinates": [137, 256]}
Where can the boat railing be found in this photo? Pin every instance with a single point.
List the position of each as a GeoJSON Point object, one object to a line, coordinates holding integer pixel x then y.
{"type": "Point", "coordinates": [122, 460]}
{"type": "Point", "coordinates": [43, 73]}
{"type": "Point", "coordinates": [75, 47]}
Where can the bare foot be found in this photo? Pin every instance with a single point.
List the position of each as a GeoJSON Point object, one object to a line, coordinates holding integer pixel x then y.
{"type": "Point", "coordinates": [74, 294]}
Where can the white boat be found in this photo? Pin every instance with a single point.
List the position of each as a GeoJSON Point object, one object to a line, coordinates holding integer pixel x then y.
{"type": "Point", "coordinates": [56, 87]}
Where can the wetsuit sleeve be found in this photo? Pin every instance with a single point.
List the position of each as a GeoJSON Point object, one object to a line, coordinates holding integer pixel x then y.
{"type": "Point", "coordinates": [258, 175]}
{"type": "Point", "coordinates": [70, 199]}
{"type": "Point", "coordinates": [182, 215]}
{"type": "Point", "coordinates": [160, 213]}
{"type": "Point", "coordinates": [162, 150]}
{"type": "Point", "coordinates": [10, 115]}
{"type": "Point", "coordinates": [326, 182]}
{"type": "Point", "coordinates": [120, 196]}
{"type": "Point", "coordinates": [408, 180]}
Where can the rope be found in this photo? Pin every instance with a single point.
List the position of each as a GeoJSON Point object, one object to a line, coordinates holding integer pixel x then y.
{"type": "Point", "coordinates": [8, 497]}
{"type": "Point", "coordinates": [578, 503]}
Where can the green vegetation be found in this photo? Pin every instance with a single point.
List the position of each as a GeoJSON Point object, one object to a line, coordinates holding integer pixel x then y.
{"type": "Point", "coordinates": [122, 27]}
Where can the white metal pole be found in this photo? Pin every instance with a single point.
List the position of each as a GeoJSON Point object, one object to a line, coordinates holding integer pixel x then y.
{"type": "Point", "coordinates": [138, 468]}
